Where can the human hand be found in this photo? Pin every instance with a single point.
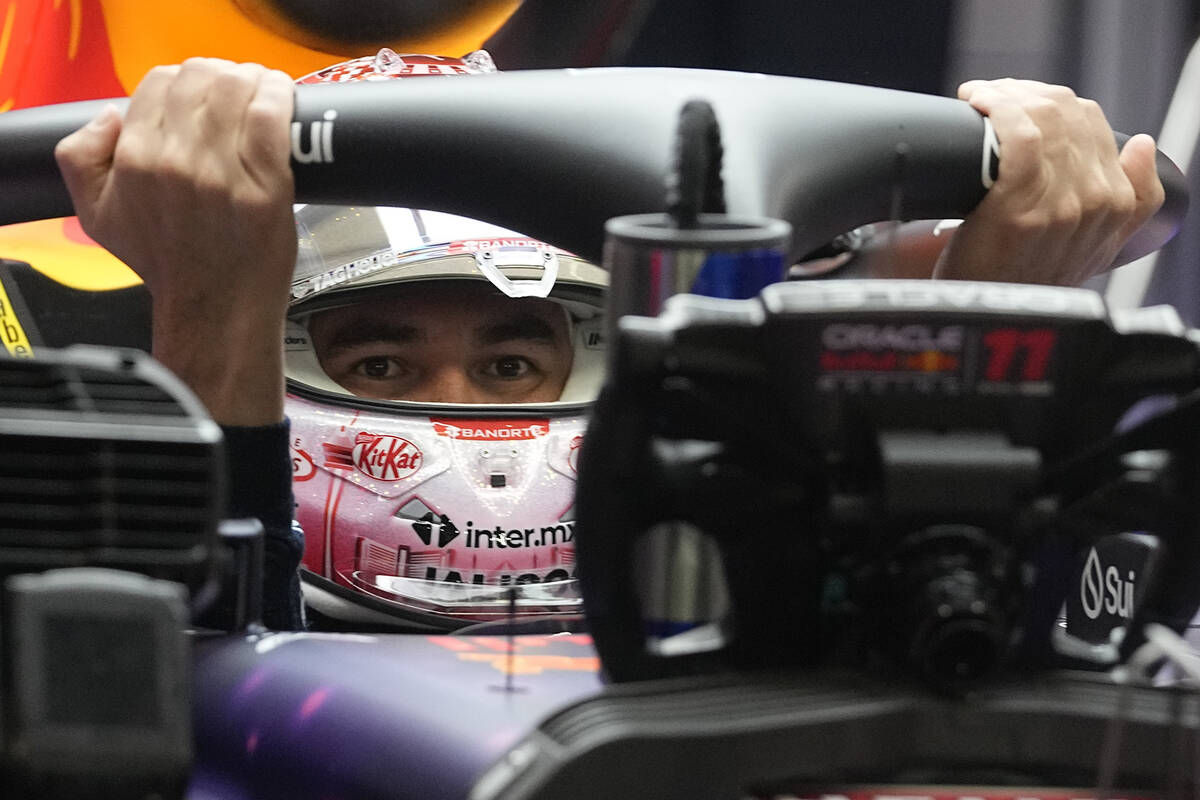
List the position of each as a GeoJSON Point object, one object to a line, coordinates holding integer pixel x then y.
{"type": "Point", "coordinates": [193, 190]}
{"type": "Point", "coordinates": [1065, 200]}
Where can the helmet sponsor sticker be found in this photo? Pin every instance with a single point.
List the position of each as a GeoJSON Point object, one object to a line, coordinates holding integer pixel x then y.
{"type": "Point", "coordinates": [573, 453]}
{"type": "Point", "coordinates": [501, 537]}
{"type": "Point", "coordinates": [303, 467]}
{"type": "Point", "coordinates": [491, 430]}
{"type": "Point", "coordinates": [308, 284]}
{"type": "Point", "coordinates": [591, 333]}
{"type": "Point", "coordinates": [482, 245]}
{"type": "Point", "coordinates": [461, 246]}
{"type": "Point", "coordinates": [295, 337]}
{"type": "Point", "coordinates": [513, 577]}
{"type": "Point", "coordinates": [487, 536]}
{"type": "Point", "coordinates": [386, 458]}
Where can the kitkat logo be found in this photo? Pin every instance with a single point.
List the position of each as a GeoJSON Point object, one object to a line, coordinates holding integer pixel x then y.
{"type": "Point", "coordinates": [387, 458]}
{"type": "Point", "coordinates": [491, 430]}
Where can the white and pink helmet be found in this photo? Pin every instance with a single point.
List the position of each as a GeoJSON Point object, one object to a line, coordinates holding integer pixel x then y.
{"type": "Point", "coordinates": [388, 64]}
{"type": "Point", "coordinates": [435, 514]}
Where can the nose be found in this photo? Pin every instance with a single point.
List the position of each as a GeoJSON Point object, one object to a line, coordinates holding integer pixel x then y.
{"type": "Point", "coordinates": [445, 384]}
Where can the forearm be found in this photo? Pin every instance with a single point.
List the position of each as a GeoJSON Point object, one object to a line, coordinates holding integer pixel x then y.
{"type": "Point", "coordinates": [233, 360]}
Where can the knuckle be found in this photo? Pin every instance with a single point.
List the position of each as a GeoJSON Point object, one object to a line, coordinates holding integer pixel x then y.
{"type": "Point", "coordinates": [1066, 214]}
{"type": "Point", "coordinates": [267, 125]}
{"type": "Point", "coordinates": [1027, 137]}
{"type": "Point", "coordinates": [198, 64]}
{"type": "Point", "coordinates": [66, 150]}
{"type": "Point", "coordinates": [1097, 199]}
{"type": "Point", "coordinates": [1041, 107]}
{"type": "Point", "coordinates": [1124, 201]}
{"type": "Point", "coordinates": [129, 158]}
{"type": "Point", "coordinates": [1059, 93]}
{"type": "Point", "coordinates": [228, 82]}
{"type": "Point", "coordinates": [261, 112]}
{"type": "Point", "coordinates": [161, 73]}
{"type": "Point", "coordinates": [249, 71]}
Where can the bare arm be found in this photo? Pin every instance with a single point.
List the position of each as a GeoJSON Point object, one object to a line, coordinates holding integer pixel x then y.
{"type": "Point", "coordinates": [192, 189]}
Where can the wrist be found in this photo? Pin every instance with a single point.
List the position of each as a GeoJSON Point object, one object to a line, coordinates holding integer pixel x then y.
{"type": "Point", "coordinates": [233, 362]}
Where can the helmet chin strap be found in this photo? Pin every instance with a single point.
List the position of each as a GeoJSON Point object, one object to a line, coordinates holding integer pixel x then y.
{"type": "Point", "coordinates": [490, 263]}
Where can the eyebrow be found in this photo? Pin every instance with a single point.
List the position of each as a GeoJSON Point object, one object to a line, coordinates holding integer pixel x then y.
{"type": "Point", "coordinates": [364, 331]}
{"type": "Point", "coordinates": [517, 327]}
{"type": "Point", "coordinates": [525, 326]}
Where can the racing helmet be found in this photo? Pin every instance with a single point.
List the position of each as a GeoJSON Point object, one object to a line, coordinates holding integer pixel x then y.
{"type": "Point", "coordinates": [424, 511]}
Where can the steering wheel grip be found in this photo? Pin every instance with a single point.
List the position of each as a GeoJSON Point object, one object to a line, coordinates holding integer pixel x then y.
{"type": "Point", "coordinates": [556, 153]}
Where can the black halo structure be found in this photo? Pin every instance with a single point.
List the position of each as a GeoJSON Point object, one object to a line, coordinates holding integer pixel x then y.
{"type": "Point", "coordinates": [556, 153]}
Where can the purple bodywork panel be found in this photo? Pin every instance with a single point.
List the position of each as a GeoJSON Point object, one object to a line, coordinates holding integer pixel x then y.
{"type": "Point", "coordinates": [351, 716]}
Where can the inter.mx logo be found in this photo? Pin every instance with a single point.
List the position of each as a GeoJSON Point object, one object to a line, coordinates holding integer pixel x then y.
{"type": "Point", "coordinates": [1102, 590]}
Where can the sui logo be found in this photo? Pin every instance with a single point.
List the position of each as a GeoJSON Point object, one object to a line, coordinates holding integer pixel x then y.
{"type": "Point", "coordinates": [320, 140]}
{"type": "Point", "coordinates": [1102, 589]}
{"type": "Point", "coordinates": [386, 458]}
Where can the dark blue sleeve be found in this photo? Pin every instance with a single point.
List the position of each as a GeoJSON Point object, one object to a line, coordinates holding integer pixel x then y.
{"type": "Point", "coordinates": [260, 486]}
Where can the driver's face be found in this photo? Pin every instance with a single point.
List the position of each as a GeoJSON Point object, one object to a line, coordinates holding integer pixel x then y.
{"type": "Point", "coordinates": [444, 343]}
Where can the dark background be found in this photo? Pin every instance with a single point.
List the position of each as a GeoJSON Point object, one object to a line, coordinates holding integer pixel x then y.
{"type": "Point", "coordinates": [918, 45]}
{"type": "Point", "coordinates": [1126, 54]}
{"type": "Point", "coordinates": [899, 45]}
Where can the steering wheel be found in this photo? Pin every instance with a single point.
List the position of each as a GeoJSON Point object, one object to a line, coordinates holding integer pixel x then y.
{"type": "Point", "coordinates": [556, 153]}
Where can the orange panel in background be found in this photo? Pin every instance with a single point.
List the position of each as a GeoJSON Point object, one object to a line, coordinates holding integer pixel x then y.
{"type": "Point", "coordinates": [59, 248]}
{"type": "Point", "coordinates": [54, 51]}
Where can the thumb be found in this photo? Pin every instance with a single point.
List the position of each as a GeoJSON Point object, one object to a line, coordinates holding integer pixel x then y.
{"type": "Point", "coordinates": [1138, 163]}
{"type": "Point", "coordinates": [85, 157]}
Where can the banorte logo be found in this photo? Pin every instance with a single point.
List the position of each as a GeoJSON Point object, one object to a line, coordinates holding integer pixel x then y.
{"type": "Point", "coordinates": [386, 458]}
{"type": "Point", "coordinates": [1102, 589]}
{"type": "Point", "coordinates": [488, 430]}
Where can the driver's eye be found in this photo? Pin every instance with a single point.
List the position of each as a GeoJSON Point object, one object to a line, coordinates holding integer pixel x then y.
{"type": "Point", "coordinates": [377, 367]}
{"type": "Point", "coordinates": [510, 367]}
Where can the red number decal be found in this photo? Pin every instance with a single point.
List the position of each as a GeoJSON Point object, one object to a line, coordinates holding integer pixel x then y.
{"type": "Point", "coordinates": [1004, 344]}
